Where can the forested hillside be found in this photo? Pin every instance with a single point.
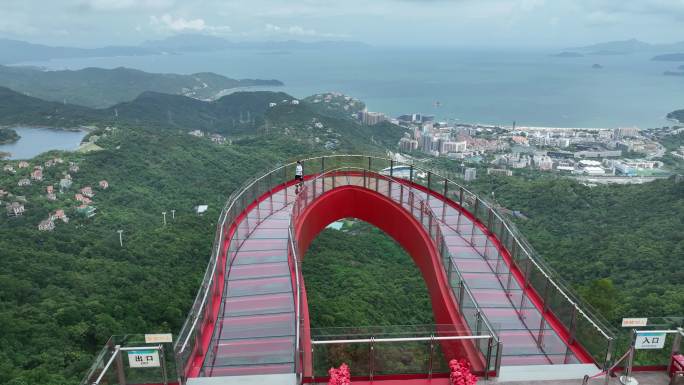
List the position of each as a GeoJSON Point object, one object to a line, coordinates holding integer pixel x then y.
{"type": "Point", "coordinates": [100, 88]}
{"type": "Point", "coordinates": [620, 246]}
{"type": "Point", "coordinates": [359, 276]}
{"type": "Point", "coordinates": [63, 293]}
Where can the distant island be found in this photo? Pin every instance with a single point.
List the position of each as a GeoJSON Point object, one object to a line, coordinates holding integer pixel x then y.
{"type": "Point", "coordinates": [673, 73]}
{"type": "Point", "coordinates": [681, 67]}
{"type": "Point", "coordinates": [567, 54]}
{"type": "Point", "coordinates": [597, 66]}
{"type": "Point", "coordinates": [676, 115]}
{"type": "Point", "coordinates": [625, 47]}
{"type": "Point", "coordinates": [669, 57]}
{"type": "Point", "coordinates": [101, 88]}
{"type": "Point", "coordinates": [7, 136]}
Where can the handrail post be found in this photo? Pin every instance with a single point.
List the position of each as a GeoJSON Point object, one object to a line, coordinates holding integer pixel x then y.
{"type": "Point", "coordinates": [609, 357]}
{"type": "Point", "coordinates": [370, 168]}
{"type": "Point", "coordinates": [392, 168]}
{"type": "Point", "coordinates": [118, 362]}
{"type": "Point", "coordinates": [446, 188]}
{"type": "Point", "coordinates": [371, 359]}
{"type": "Point", "coordinates": [411, 174]}
{"type": "Point", "coordinates": [432, 351]}
{"type": "Point", "coordinates": [322, 164]}
{"type": "Point", "coordinates": [460, 197]}
{"type": "Point", "coordinates": [490, 344]}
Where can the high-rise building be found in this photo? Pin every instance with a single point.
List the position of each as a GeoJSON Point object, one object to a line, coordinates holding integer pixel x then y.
{"type": "Point", "coordinates": [427, 141]}
{"type": "Point", "coordinates": [371, 118]}
{"type": "Point", "coordinates": [408, 144]}
{"type": "Point", "coordinates": [449, 146]}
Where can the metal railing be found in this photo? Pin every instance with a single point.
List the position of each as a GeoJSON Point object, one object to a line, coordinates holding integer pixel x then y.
{"type": "Point", "coordinates": [584, 327]}
{"type": "Point", "coordinates": [390, 351]}
{"type": "Point", "coordinates": [109, 367]}
{"type": "Point", "coordinates": [412, 201]}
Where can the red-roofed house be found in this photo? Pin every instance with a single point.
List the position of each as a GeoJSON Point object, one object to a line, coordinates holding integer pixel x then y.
{"type": "Point", "coordinates": [50, 189]}
{"type": "Point", "coordinates": [37, 174]}
{"type": "Point", "coordinates": [88, 191]}
{"type": "Point", "coordinates": [23, 164]}
{"type": "Point", "coordinates": [59, 214]}
{"type": "Point", "coordinates": [104, 184]}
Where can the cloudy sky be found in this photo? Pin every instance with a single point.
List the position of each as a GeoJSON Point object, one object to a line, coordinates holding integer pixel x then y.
{"type": "Point", "coordinates": [507, 23]}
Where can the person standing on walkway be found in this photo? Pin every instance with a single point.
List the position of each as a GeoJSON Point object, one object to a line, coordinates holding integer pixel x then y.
{"type": "Point", "coordinates": [299, 176]}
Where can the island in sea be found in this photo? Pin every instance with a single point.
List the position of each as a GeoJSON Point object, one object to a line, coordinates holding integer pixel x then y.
{"type": "Point", "coordinates": [669, 57]}
{"type": "Point", "coordinates": [597, 67]}
{"type": "Point", "coordinates": [7, 136]}
{"type": "Point", "coordinates": [568, 54]}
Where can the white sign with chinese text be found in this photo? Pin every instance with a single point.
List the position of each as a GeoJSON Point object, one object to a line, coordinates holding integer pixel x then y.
{"type": "Point", "coordinates": [650, 340]}
{"type": "Point", "coordinates": [143, 358]}
{"type": "Point", "coordinates": [634, 322]}
{"type": "Point", "coordinates": [158, 338]}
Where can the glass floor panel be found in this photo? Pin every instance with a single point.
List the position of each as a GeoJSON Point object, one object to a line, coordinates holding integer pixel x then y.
{"type": "Point", "coordinates": [258, 304]}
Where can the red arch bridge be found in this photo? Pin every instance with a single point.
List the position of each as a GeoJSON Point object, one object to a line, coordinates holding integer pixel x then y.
{"type": "Point", "coordinates": [494, 302]}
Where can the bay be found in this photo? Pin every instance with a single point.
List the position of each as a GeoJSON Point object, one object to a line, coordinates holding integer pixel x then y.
{"type": "Point", "coordinates": [37, 140]}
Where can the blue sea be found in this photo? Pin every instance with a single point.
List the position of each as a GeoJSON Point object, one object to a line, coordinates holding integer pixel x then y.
{"type": "Point", "coordinates": [496, 87]}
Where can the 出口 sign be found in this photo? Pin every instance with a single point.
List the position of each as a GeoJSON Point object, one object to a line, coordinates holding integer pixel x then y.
{"type": "Point", "coordinates": [143, 358]}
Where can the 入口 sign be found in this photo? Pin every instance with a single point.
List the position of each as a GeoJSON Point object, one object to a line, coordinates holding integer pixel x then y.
{"type": "Point", "coordinates": [143, 358]}
{"type": "Point", "coordinates": [634, 322]}
{"type": "Point", "coordinates": [650, 340]}
{"type": "Point", "coordinates": [158, 338]}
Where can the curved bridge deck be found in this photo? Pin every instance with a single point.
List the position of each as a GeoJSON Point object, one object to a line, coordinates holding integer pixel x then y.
{"type": "Point", "coordinates": [257, 328]}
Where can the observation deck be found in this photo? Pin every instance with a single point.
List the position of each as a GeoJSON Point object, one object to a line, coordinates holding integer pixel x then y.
{"type": "Point", "coordinates": [494, 301]}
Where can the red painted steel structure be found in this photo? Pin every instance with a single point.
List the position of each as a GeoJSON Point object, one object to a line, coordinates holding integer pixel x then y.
{"type": "Point", "coordinates": [368, 205]}
{"type": "Point", "coordinates": [371, 207]}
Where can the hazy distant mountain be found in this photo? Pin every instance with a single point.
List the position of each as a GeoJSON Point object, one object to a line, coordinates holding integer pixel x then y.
{"type": "Point", "coordinates": [16, 108]}
{"type": "Point", "coordinates": [97, 87]}
{"type": "Point", "coordinates": [195, 42]}
{"type": "Point", "coordinates": [566, 54]}
{"type": "Point", "coordinates": [625, 47]}
{"type": "Point", "coordinates": [669, 57]}
{"type": "Point", "coordinates": [15, 51]}
{"type": "Point", "coordinates": [235, 113]}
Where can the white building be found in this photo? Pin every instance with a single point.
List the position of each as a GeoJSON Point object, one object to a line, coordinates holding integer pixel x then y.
{"type": "Point", "coordinates": [470, 174]}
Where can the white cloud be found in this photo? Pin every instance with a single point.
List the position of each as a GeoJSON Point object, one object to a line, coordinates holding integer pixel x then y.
{"type": "Point", "coordinates": [599, 18]}
{"type": "Point", "coordinates": [167, 22]}
{"type": "Point", "coordinates": [297, 30]}
{"type": "Point", "coordinates": [120, 5]}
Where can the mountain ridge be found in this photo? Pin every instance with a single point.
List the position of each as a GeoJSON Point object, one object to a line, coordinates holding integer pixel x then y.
{"type": "Point", "coordinates": [100, 88]}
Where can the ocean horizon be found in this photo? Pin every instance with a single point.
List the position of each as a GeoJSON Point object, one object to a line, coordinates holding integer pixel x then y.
{"type": "Point", "coordinates": [530, 87]}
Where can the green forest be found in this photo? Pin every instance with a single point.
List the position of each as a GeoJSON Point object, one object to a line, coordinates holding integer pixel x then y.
{"type": "Point", "coordinates": [64, 293]}
{"type": "Point", "coordinates": [8, 135]}
{"type": "Point", "coordinates": [620, 246]}
{"type": "Point", "coordinates": [359, 276]}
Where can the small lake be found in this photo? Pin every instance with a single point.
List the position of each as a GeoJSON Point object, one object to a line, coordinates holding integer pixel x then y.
{"type": "Point", "coordinates": [35, 141]}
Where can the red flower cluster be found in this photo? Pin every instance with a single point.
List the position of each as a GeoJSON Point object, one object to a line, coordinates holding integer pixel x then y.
{"type": "Point", "coordinates": [339, 376]}
{"type": "Point", "coordinates": [460, 373]}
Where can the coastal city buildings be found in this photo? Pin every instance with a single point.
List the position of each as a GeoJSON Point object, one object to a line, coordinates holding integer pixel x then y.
{"type": "Point", "coordinates": [371, 118]}
{"type": "Point", "coordinates": [615, 152]}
